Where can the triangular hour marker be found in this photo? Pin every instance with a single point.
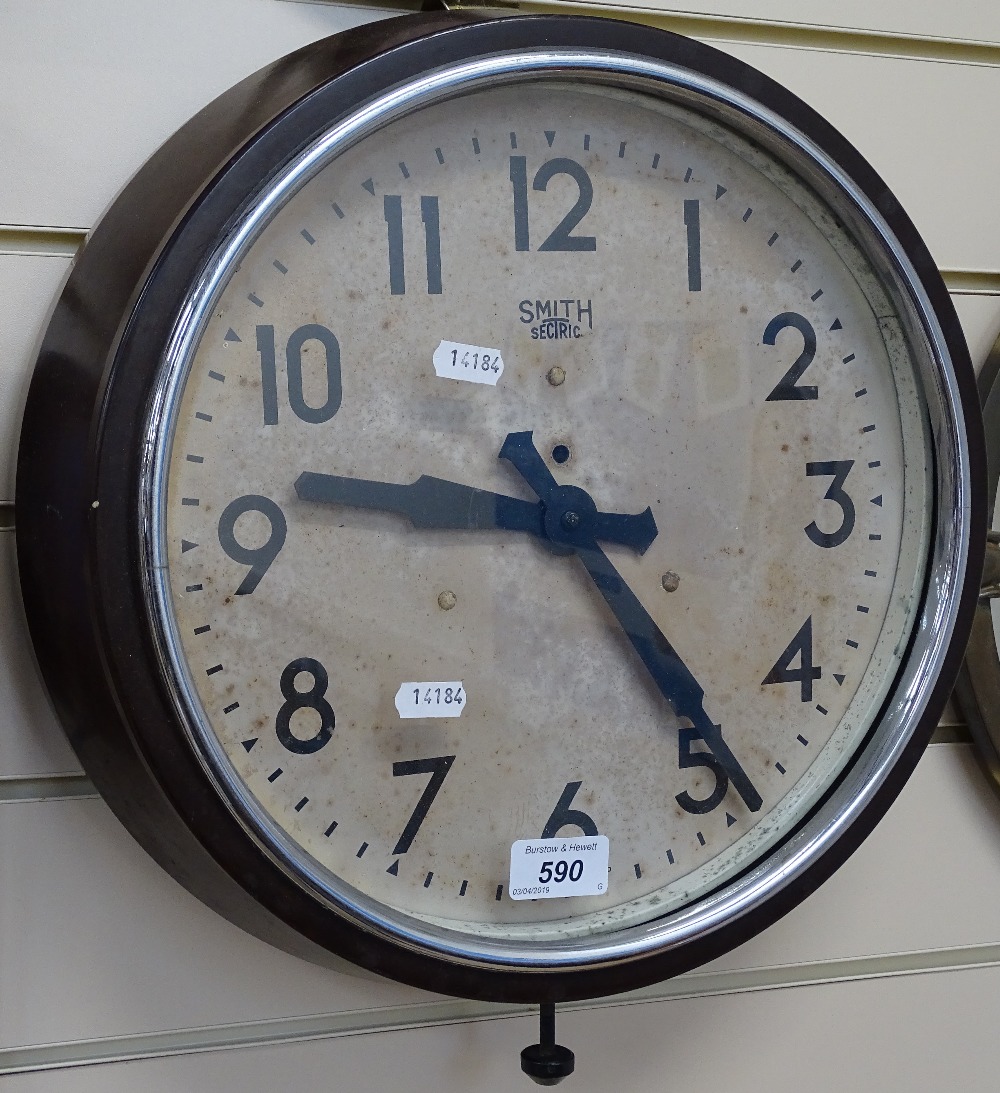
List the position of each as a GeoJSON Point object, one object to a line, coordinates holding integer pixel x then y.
{"type": "Point", "coordinates": [186, 546]}
{"type": "Point", "coordinates": [394, 868]}
{"type": "Point", "coordinates": [550, 136]}
{"type": "Point", "coordinates": [719, 191]}
{"type": "Point", "coordinates": [730, 820]}
{"type": "Point", "coordinates": [837, 325]}
{"type": "Point", "coordinates": [877, 500]}
{"type": "Point", "coordinates": [232, 336]}
{"type": "Point", "coordinates": [248, 744]}
{"type": "Point", "coordinates": [369, 185]}
{"type": "Point", "coordinates": [839, 679]}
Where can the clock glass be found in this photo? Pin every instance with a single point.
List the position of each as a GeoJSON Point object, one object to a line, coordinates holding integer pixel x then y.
{"type": "Point", "coordinates": [542, 454]}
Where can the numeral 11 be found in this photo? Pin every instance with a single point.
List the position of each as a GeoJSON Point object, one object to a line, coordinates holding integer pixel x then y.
{"type": "Point", "coordinates": [430, 216]}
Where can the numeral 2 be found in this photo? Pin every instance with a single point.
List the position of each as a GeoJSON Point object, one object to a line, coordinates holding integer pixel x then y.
{"type": "Point", "coordinates": [786, 390]}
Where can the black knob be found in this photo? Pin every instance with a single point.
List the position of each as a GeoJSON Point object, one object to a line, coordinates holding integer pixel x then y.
{"type": "Point", "coordinates": [547, 1063]}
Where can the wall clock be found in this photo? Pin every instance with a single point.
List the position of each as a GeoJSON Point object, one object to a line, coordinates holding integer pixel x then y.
{"type": "Point", "coordinates": [495, 504]}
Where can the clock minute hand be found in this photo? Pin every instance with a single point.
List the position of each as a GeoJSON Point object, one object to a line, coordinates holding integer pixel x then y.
{"type": "Point", "coordinates": [671, 675]}
{"type": "Point", "coordinates": [436, 503]}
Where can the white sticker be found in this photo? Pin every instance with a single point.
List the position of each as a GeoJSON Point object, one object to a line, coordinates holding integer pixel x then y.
{"type": "Point", "coordinates": [431, 699]}
{"type": "Point", "coordinates": [474, 363]}
{"type": "Point", "coordinates": [549, 868]}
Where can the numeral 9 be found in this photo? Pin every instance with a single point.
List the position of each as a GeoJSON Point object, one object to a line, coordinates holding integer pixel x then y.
{"type": "Point", "coordinates": [258, 558]}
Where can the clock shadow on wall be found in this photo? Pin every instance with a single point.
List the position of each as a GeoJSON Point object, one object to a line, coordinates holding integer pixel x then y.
{"type": "Point", "coordinates": [496, 503]}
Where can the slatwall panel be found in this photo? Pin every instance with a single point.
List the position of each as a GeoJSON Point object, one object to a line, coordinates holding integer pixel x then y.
{"type": "Point", "coordinates": [103, 957]}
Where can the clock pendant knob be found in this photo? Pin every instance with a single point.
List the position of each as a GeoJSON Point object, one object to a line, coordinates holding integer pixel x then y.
{"type": "Point", "coordinates": [547, 1063]}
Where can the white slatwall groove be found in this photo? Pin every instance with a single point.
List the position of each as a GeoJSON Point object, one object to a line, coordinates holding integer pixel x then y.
{"type": "Point", "coordinates": [103, 957]}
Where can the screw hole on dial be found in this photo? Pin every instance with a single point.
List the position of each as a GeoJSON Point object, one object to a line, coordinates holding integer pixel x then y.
{"type": "Point", "coordinates": [670, 581]}
{"type": "Point", "coordinates": [561, 453]}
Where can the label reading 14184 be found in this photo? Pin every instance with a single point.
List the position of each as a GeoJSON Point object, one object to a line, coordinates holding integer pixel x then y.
{"type": "Point", "coordinates": [437, 699]}
{"type": "Point", "coordinates": [550, 868]}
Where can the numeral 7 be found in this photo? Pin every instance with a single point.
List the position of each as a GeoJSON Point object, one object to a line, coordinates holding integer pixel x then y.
{"type": "Point", "coordinates": [438, 769]}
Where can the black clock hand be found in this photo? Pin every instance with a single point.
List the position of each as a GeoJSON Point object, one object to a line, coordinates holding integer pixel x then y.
{"type": "Point", "coordinates": [670, 674]}
{"type": "Point", "coordinates": [437, 503]}
{"type": "Point", "coordinates": [571, 527]}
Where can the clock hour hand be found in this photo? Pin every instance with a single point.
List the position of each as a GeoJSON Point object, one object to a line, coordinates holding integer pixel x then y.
{"type": "Point", "coordinates": [437, 503]}
{"type": "Point", "coordinates": [570, 519]}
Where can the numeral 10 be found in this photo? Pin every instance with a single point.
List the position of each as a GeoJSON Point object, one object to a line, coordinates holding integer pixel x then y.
{"type": "Point", "coordinates": [311, 332]}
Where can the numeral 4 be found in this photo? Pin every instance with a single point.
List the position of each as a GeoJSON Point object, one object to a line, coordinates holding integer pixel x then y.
{"type": "Point", "coordinates": [800, 646]}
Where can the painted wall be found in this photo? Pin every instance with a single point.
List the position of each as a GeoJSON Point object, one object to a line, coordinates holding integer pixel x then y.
{"type": "Point", "coordinates": [113, 978]}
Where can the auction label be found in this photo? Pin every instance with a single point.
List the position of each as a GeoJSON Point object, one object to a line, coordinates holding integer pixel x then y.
{"type": "Point", "coordinates": [473, 363]}
{"type": "Point", "coordinates": [549, 868]}
{"type": "Point", "coordinates": [431, 699]}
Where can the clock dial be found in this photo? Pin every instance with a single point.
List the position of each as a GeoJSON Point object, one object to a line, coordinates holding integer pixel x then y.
{"type": "Point", "coordinates": [550, 463]}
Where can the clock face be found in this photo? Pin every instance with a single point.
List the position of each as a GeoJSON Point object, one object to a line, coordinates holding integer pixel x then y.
{"type": "Point", "coordinates": [477, 308]}
{"type": "Point", "coordinates": [509, 524]}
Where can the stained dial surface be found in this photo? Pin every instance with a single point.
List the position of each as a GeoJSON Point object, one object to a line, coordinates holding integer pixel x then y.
{"type": "Point", "coordinates": [550, 463]}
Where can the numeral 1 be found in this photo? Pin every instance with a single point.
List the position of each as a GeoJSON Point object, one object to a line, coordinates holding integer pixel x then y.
{"type": "Point", "coordinates": [692, 220]}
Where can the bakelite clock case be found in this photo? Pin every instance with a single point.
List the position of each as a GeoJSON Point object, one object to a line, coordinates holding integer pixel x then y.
{"type": "Point", "coordinates": [93, 461]}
